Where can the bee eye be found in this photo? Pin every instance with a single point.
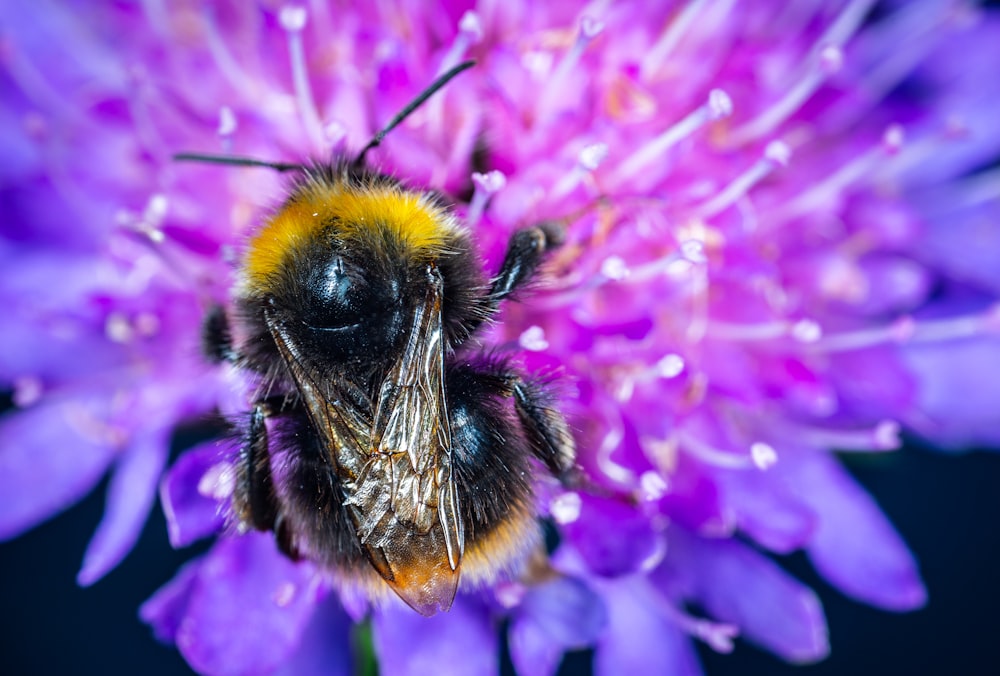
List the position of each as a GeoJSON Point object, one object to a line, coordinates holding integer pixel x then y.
{"type": "Point", "coordinates": [334, 296]}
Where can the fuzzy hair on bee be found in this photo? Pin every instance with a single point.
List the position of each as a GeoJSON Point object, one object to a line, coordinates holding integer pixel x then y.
{"type": "Point", "coordinates": [384, 445]}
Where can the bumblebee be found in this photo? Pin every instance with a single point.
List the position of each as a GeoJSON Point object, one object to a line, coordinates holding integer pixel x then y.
{"type": "Point", "coordinates": [384, 445]}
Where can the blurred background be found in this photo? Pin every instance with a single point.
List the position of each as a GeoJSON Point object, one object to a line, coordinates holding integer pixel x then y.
{"type": "Point", "coordinates": [945, 507]}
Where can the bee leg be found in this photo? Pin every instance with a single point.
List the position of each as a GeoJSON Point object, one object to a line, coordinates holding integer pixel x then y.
{"type": "Point", "coordinates": [524, 253]}
{"type": "Point", "coordinates": [544, 428]}
{"type": "Point", "coordinates": [548, 435]}
{"type": "Point", "coordinates": [254, 499]}
{"type": "Point", "coordinates": [216, 338]}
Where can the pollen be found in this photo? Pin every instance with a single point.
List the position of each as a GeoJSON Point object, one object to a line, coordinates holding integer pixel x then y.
{"type": "Point", "coordinates": [349, 213]}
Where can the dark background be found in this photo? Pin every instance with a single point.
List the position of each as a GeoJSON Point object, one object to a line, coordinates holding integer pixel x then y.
{"type": "Point", "coordinates": [944, 506]}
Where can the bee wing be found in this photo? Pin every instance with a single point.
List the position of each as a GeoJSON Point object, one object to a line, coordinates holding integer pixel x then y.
{"type": "Point", "coordinates": [339, 412]}
{"type": "Point", "coordinates": [395, 466]}
{"type": "Point", "coordinates": [407, 499]}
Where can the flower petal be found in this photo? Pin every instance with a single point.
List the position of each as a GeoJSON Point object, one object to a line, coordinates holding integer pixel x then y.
{"type": "Point", "coordinates": [766, 511]}
{"type": "Point", "coordinates": [192, 493]}
{"type": "Point", "coordinates": [463, 640]}
{"type": "Point", "coordinates": [966, 90]}
{"type": "Point", "coordinates": [165, 609]}
{"type": "Point", "coordinates": [247, 608]}
{"type": "Point", "coordinates": [957, 406]}
{"type": "Point", "coordinates": [640, 640]}
{"type": "Point", "coordinates": [963, 243]}
{"type": "Point", "coordinates": [855, 546]}
{"type": "Point", "coordinates": [613, 537]}
{"type": "Point", "coordinates": [130, 497]}
{"type": "Point", "coordinates": [46, 462]}
{"type": "Point", "coordinates": [532, 651]}
{"type": "Point", "coordinates": [739, 586]}
{"type": "Point", "coordinates": [325, 646]}
{"type": "Point", "coordinates": [559, 615]}
{"type": "Point", "coordinates": [874, 382]}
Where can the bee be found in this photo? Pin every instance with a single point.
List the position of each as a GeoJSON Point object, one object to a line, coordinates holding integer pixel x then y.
{"type": "Point", "coordinates": [384, 444]}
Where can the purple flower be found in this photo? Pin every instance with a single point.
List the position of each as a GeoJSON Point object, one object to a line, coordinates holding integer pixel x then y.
{"type": "Point", "coordinates": [781, 242]}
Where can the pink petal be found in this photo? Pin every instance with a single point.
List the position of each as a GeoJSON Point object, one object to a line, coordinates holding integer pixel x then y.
{"type": "Point", "coordinates": [325, 646]}
{"type": "Point", "coordinates": [130, 497]}
{"type": "Point", "coordinates": [737, 585]}
{"type": "Point", "coordinates": [640, 640]}
{"type": "Point", "coordinates": [855, 546]}
{"type": "Point", "coordinates": [766, 511]}
{"type": "Point", "coordinates": [556, 616]}
{"type": "Point", "coordinates": [966, 89]}
{"type": "Point", "coordinates": [958, 406]}
{"type": "Point", "coordinates": [47, 463]}
{"type": "Point", "coordinates": [193, 493]}
{"type": "Point", "coordinates": [614, 538]}
{"type": "Point", "coordinates": [165, 609]}
{"type": "Point", "coordinates": [247, 608]}
{"type": "Point", "coordinates": [963, 243]}
{"type": "Point", "coordinates": [409, 644]}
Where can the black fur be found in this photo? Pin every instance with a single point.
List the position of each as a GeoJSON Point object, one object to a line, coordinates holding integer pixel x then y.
{"type": "Point", "coordinates": [216, 341]}
{"type": "Point", "coordinates": [489, 451]}
{"type": "Point", "coordinates": [348, 306]}
{"type": "Point", "coordinates": [490, 455]}
{"type": "Point", "coordinates": [255, 494]}
{"type": "Point", "coordinates": [309, 497]}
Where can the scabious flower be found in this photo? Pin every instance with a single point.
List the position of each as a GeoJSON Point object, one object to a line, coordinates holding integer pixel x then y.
{"type": "Point", "coordinates": [780, 241]}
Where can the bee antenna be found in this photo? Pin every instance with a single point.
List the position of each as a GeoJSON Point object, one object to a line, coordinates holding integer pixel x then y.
{"type": "Point", "coordinates": [410, 107]}
{"type": "Point", "coordinates": [237, 161]}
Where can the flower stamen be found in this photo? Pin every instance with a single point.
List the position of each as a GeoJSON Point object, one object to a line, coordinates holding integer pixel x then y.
{"type": "Point", "coordinates": [717, 106]}
{"type": "Point", "coordinates": [227, 64]}
{"type": "Point", "coordinates": [27, 391]}
{"type": "Point", "coordinates": [845, 25]}
{"type": "Point", "coordinates": [828, 63]}
{"type": "Point", "coordinates": [669, 38]}
{"type": "Point", "coordinates": [834, 185]}
{"type": "Point", "coordinates": [652, 486]}
{"type": "Point", "coordinates": [587, 162]}
{"type": "Point", "coordinates": [218, 482]}
{"type": "Point", "coordinates": [825, 59]}
{"type": "Point", "coordinates": [912, 31]}
{"type": "Point", "coordinates": [669, 366]}
{"type": "Point", "coordinates": [763, 455]}
{"type": "Point", "coordinates": [609, 444]}
{"type": "Point", "coordinates": [293, 21]}
{"type": "Point", "coordinates": [470, 32]}
{"type": "Point", "coordinates": [909, 330]}
{"type": "Point", "coordinates": [961, 194]}
{"type": "Point", "coordinates": [565, 507]}
{"type": "Point", "coordinates": [533, 339]}
{"type": "Point", "coordinates": [509, 593]}
{"type": "Point", "coordinates": [554, 90]}
{"type": "Point", "coordinates": [710, 455]}
{"type": "Point", "coordinates": [486, 185]}
{"type": "Point", "coordinates": [717, 635]}
{"type": "Point", "coordinates": [803, 330]}
{"type": "Point", "coordinates": [776, 154]}
{"type": "Point", "coordinates": [884, 436]}
{"type": "Point", "coordinates": [149, 221]}
{"type": "Point", "coordinates": [226, 129]}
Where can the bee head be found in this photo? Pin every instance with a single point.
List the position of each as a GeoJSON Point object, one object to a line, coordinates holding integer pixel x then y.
{"type": "Point", "coordinates": [341, 304]}
{"type": "Point", "coordinates": [343, 263]}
